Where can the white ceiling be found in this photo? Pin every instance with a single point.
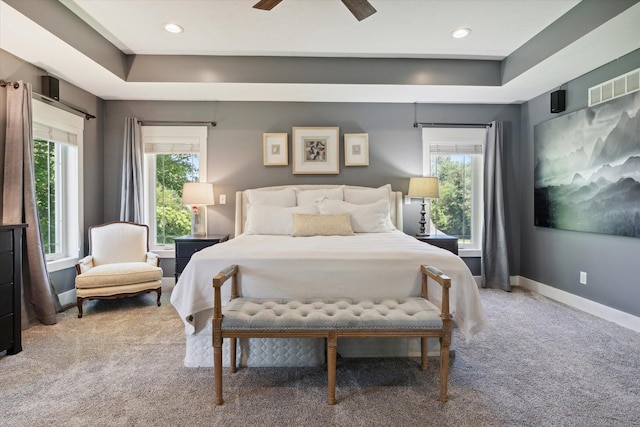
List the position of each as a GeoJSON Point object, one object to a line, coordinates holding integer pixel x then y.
{"type": "Point", "coordinates": [400, 29]}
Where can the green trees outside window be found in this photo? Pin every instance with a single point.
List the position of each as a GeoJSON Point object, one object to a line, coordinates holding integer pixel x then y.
{"type": "Point", "coordinates": [451, 212]}
{"type": "Point", "coordinates": [173, 219]}
{"type": "Point", "coordinates": [44, 156]}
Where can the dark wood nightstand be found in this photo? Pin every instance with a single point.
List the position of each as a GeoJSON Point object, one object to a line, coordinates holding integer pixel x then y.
{"type": "Point", "coordinates": [445, 242]}
{"type": "Point", "coordinates": [189, 245]}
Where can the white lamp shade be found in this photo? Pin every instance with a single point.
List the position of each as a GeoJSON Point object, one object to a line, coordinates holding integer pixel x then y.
{"type": "Point", "coordinates": [197, 193]}
{"type": "Point", "coordinates": [424, 186]}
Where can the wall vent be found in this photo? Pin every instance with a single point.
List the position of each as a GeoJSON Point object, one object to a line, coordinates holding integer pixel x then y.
{"type": "Point", "coordinates": [615, 88]}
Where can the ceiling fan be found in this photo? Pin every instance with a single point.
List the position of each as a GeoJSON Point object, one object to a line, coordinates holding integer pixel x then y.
{"type": "Point", "coordinates": [361, 9]}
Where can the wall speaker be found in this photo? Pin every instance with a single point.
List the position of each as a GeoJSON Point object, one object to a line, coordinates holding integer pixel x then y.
{"type": "Point", "coordinates": [558, 101]}
{"type": "Point", "coordinates": [51, 87]}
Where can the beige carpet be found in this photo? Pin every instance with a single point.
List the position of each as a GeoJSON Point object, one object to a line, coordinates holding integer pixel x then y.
{"type": "Point", "coordinates": [539, 363]}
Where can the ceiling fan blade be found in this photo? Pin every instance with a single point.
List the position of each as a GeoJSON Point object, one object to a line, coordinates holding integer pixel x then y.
{"type": "Point", "coordinates": [266, 4]}
{"type": "Point", "coordinates": [361, 9]}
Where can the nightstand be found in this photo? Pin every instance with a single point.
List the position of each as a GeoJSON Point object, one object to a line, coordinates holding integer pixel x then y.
{"type": "Point", "coordinates": [186, 246]}
{"type": "Point", "coordinates": [445, 242]}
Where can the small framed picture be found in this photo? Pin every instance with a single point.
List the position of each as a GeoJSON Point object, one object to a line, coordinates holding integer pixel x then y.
{"type": "Point", "coordinates": [315, 150]}
{"type": "Point", "coordinates": [275, 149]}
{"type": "Point", "coordinates": [356, 149]}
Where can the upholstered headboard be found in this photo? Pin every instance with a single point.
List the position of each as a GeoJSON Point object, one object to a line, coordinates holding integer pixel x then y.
{"type": "Point", "coordinates": [395, 203]}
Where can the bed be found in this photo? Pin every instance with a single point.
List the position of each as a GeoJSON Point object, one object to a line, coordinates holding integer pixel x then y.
{"type": "Point", "coordinates": [280, 247]}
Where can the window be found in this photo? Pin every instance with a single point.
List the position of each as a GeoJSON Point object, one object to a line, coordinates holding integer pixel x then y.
{"type": "Point", "coordinates": [173, 155]}
{"type": "Point", "coordinates": [57, 154]}
{"type": "Point", "coordinates": [455, 156]}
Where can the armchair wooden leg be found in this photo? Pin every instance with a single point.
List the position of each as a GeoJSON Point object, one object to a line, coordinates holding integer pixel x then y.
{"type": "Point", "coordinates": [79, 302]}
{"type": "Point", "coordinates": [159, 291]}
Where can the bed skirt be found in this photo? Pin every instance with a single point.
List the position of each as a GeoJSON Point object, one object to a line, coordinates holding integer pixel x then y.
{"type": "Point", "coordinates": [278, 352]}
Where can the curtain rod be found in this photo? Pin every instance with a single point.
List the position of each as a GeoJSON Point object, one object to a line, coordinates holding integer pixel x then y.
{"type": "Point", "coordinates": [177, 123]}
{"type": "Point", "coordinates": [451, 125]}
{"type": "Point", "coordinates": [61, 105]}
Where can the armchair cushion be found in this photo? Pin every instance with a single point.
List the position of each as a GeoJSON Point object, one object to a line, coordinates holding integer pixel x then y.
{"type": "Point", "coordinates": [124, 273]}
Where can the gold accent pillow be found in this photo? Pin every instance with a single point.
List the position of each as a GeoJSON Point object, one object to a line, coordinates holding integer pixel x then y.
{"type": "Point", "coordinates": [305, 225]}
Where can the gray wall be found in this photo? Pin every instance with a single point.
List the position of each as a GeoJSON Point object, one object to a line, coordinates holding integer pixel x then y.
{"type": "Point", "coordinates": [13, 69]}
{"type": "Point", "coordinates": [555, 257]}
{"type": "Point", "coordinates": [235, 147]}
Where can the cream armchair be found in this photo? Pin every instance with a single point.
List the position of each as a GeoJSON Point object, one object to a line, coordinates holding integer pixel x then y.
{"type": "Point", "coordinates": [119, 264]}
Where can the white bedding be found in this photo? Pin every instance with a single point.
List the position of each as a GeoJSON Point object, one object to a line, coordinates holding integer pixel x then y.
{"type": "Point", "coordinates": [365, 265]}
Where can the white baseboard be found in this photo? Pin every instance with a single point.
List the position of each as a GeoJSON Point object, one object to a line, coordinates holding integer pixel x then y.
{"type": "Point", "coordinates": [168, 281]}
{"type": "Point", "coordinates": [67, 298]}
{"type": "Point", "coordinates": [621, 318]}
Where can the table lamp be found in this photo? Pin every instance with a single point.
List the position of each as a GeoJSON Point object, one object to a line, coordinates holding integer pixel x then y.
{"type": "Point", "coordinates": [424, 187]}
{"type": "Point", "coordinates": [197, 194]}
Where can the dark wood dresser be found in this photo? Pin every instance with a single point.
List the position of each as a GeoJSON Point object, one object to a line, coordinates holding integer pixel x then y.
{"type": "Point", "coordinates": [10, 285]}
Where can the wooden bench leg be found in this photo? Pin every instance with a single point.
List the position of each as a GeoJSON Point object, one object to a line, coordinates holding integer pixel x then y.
{"type": "Point", "coordinates": [232, 355]}
{"type": "Point", "coordinates": [332, 341]}
{"type": "Point", "coordinates": [444, 369]}
{"type": "Point", "coordinates": [217, 371]}
{"type": "Point", "coordinates": [424, 352]}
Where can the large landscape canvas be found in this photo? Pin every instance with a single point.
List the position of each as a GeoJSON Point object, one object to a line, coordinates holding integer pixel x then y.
{"type": "Point", "coordinates": [587, 169]}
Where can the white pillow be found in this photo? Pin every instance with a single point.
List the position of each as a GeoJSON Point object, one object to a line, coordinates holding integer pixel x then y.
{"type": "Point", "coordinates": [367, 195]}
{"type": "Point", "coordinates": [263, 219]}
{"type": "Point", "coordinates": [309, 197]}
{"type": "Point", "coordinates": [371, 218]}
{"type": "Point", "coordinates": [284, 198]}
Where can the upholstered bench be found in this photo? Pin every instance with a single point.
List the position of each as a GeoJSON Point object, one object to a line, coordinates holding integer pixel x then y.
{"type": "Point", "coordinates": [331, 319]}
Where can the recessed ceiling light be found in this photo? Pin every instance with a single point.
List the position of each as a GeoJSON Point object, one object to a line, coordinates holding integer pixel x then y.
{"type": "Point", "coordinates": [460, 33]}
{"type": "Point", "coordinates": [173, 28]}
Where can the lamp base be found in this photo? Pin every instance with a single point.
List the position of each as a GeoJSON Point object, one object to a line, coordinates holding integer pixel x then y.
{"type": "Point", "coordinates": [419, 235]}
{"type": "Point", "coordinates": [196, 227]}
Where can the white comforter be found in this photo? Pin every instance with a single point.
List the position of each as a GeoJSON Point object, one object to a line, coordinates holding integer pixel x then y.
{"type": "Point", "coordinates": [366, 265]}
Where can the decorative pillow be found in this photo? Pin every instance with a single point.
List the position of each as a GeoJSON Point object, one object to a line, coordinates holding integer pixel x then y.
{"type": "Point", "coordinates": [321, 225]}
{"type": "Point", "coordinates": [284, 198]}
{"type": "Point", "coordinates": [368, 195]}
{"type": "Point", "coordinates": [370, 218]}
{"type": "Point", "coordinates": [309, 197]}
{"type": "Point", "coordinates": [263, 219]}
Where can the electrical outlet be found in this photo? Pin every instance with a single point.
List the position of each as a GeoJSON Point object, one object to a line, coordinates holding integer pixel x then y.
{"type": "Point", "coordinates": [223, 199]}
{"type": "Point", "coordinates": [583, 277]}
{"type": "Point", "coordinates": [407, 200]}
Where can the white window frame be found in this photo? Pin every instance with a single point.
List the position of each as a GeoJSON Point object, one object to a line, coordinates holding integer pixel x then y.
{"type": "Point", "coordinates": [66, 128]}
{"type": "Point", "coordinates": [172, 139]}
{"type": "Point", "coordinates": [462, 137]}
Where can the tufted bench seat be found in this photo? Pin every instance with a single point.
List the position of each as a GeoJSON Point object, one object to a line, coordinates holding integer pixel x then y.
{"type": "Point", "coordinates": [331, 318]}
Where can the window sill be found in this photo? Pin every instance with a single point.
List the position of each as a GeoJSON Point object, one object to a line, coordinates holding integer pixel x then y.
{"type": "Point", "coordinates": [164, 253]}
{"type": "Point", "coordinates": [62, 264]}
{"type": "Point", "coordinates": [469, 253]}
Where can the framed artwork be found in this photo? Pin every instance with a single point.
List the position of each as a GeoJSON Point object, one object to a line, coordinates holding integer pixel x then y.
{"type": "Point", "coordinates": [356, 149]}
{"type": "Point", "coordinates": [275, 149]}
{"type": "Point", "coordinates": [587, 163]}
{"type": "Point", "coordinates": [315, 150]}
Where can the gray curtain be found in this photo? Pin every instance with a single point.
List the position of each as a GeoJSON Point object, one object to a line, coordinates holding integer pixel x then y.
{"type": "Point", "coordinates": [39, 300]}
{"type": "Point", "coordinates": [131, 203]}
{"type": "Point", "coordinates": [495, 261]}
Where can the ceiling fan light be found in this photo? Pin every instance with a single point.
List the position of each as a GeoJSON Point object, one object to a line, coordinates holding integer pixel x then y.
{"type": "Point", "coordinates": [460, 33]}
{"type": "Point", "coordinates": [173, 28]}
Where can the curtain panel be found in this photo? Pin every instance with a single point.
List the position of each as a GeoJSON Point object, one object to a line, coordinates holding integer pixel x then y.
{"type": "Point", "coordinates": [495, 261]}
{"type": "Point", "coordinates": [132, 201]}
{"type": "Point", "coordinates": [39, 300]}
